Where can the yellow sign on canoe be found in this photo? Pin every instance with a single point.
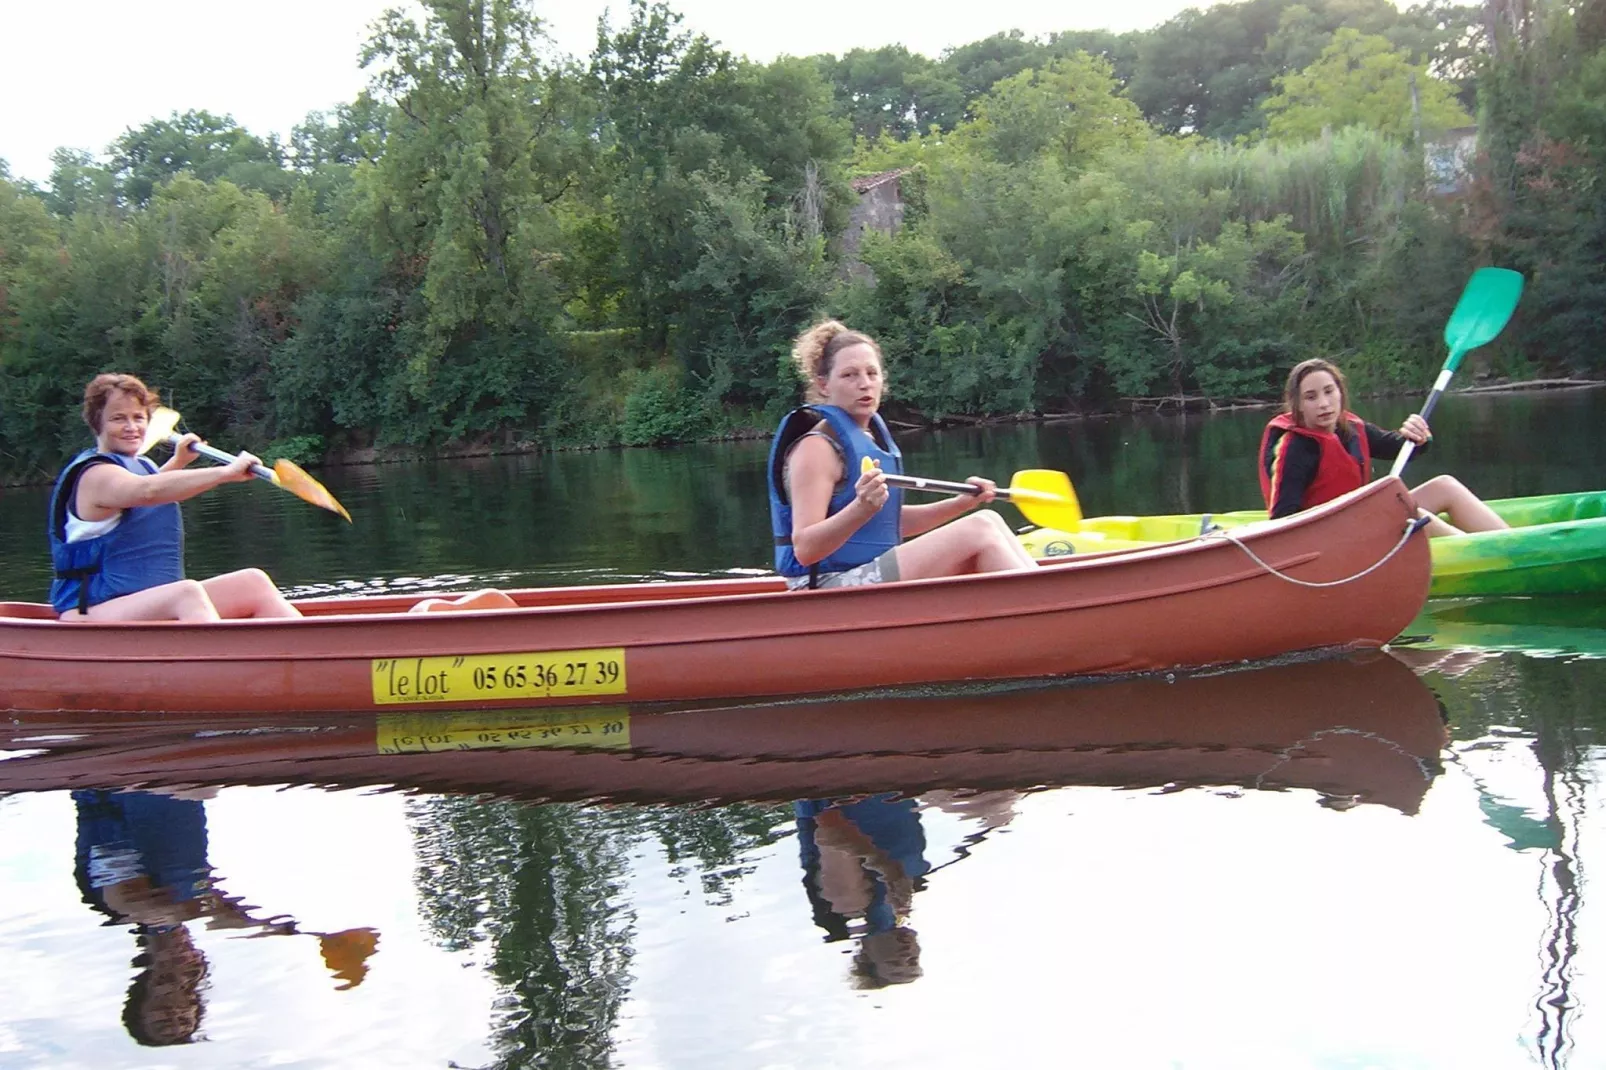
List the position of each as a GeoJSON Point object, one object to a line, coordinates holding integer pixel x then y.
{"type": "Point", "coordinates": [470, 677]}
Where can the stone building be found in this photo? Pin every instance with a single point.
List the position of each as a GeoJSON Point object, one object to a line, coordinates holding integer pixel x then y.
{"type": "Point", "coordinates": [1448, 158]}
{"type": "Point", "coordinates": [879, 207]}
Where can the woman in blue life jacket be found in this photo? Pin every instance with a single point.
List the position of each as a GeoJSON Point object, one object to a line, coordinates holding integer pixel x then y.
{"type": "Point", "coordinates": [116, 534]}
{"type": "Point", "coordinates": [1316, 449]}
{"type": "Point", "coordinates": [838, 524]}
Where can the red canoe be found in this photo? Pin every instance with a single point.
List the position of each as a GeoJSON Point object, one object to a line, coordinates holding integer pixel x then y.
{"type": "Point", "coordinates": [1276, 726]}
{"type": "Point", "coordinates": [1227, 597]}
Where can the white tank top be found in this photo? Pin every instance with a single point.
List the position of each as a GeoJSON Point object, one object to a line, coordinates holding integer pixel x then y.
{"type": "Point", "coordinates": [79, 530]}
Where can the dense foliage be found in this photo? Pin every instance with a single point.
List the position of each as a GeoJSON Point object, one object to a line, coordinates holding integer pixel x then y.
{"type": "Point", "coordinates": [496, 248]}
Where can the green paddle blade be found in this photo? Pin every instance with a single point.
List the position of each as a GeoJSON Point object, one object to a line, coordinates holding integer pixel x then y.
{"type": "Point", "coordinates": [1485, 307]}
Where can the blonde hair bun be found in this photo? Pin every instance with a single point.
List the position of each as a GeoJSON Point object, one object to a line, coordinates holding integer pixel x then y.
{"type": "Point", "coordinates": [816, 349]}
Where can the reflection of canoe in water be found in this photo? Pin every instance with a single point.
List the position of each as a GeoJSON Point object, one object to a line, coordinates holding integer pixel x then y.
{"type": "Point", "coordinates": [1357, 727]}
{"type": "Point", "coordinates": [1154, 609]}
{"type": "Point", "coordinates": [1543, 627]}
{"type": "Point", "coordinates": [1556, 545]}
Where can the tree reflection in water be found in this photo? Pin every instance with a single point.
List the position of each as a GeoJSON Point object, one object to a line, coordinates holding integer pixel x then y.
{"type": "Point", "coordinates": [1556, 705]}
{"type": "Point", "coordinates": [541, 888]}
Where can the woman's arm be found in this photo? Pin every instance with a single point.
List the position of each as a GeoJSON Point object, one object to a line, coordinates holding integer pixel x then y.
{"type": "Point", "coordinates": [919, 519]}
{"type": "Point", "coordinates": [1299, 461]}
{"type": "Point", "coordinates": [812, 473]}
{"type": "Point", "coordinates": [104, 490]}
{"type": "Point", "coordinates": [1386, 445]}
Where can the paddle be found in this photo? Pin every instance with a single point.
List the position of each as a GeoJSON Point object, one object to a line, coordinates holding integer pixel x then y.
{"type": "Point", "coordinates": [1045, 497]}
{"type": "Point", "coordinates": [285, 474]}
{"type": "Point", "coordinates": [1485, 306]}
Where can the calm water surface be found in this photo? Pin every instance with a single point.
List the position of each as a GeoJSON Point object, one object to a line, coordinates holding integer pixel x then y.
{"type": "Point", "coordinates": [1378, 861]}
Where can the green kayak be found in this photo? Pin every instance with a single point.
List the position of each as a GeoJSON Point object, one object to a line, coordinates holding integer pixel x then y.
{"type": "Point", "coordinates": [1556, 545]}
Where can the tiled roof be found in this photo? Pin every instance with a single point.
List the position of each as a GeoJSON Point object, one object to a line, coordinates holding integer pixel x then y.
{"type": "Point", "coordinates": [870, 182]}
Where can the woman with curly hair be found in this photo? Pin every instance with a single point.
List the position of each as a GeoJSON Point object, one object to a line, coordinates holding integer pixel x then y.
{"type": "Point", "coordinates": [836, 521]}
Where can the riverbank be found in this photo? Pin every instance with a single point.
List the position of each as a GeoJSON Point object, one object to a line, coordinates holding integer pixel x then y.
{"type": "Point", "coordinates": [504, 444]}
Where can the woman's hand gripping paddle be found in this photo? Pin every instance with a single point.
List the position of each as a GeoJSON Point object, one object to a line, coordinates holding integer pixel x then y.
{"type": "Point", "coordinates": [285, 474]}
{"type": "Point", "coordinates": [1044, 496]}
{"type": "Point", "coordinates": [1485, 307]}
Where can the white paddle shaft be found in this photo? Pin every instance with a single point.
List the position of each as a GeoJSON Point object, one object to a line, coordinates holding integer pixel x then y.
{"type": "Point", "coordinates": [944, 486]}
{"type": "Point", "coordinates": [212, 453]}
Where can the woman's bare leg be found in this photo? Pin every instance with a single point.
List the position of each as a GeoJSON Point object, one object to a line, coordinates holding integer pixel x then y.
{"type": "Point", "coordinates": [1437, 528]}
{"type": "Point", "coordinates": [247, 593]}
{"type": "Point", "coordinates": [184, 600]}
{"type": "Point", "coordinates": [1446, 494]}
{"type": "Point", "coordinates": [489, 598]}
{"type": "Point", "coordinates": [976, 542]}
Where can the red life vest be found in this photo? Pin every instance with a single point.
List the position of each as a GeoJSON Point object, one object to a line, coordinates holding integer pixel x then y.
{"type": "Point", "coordinates": [1337, 472]}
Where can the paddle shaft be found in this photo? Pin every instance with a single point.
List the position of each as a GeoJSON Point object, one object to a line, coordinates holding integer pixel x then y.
{"type": "Point", "coordinates": [1437, 392]}
{"type": "Point", "coordinates": [212, 453]}
{"type": "Point", "coordinates": [944, 486]}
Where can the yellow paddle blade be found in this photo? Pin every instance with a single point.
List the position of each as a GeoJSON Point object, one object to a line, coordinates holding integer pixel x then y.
{"type": "Point", "coordinates": [1046, 497]}
{"type": "Point", "coordinates": [293, 478]}
{"type": "Point", "coordinates": [346, 953]}
{"type": "Point", "coordinates": [163, 422]}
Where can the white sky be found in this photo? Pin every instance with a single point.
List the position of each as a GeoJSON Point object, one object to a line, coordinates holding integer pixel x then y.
{"type": "Point", "coordinates": [78, 75]}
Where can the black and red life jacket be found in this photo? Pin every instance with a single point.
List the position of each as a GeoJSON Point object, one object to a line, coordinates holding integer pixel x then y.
{"type": "Point", "coordinates": [1339, 471]}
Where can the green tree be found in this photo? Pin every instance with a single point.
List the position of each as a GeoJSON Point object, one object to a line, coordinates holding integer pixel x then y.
{"type": "Point", "coordinates": [1070, 109]}
{"type": "Point", "coordinates": [77, 181]}
{"type": "Point", "coordinates": [978, 66]}
{"type": "Point", "coordinates": [692, 135]}
{"type": "Point", "coordinates": [460, 204]}
{"type": "Point", "coordinates": [1362, 80]}
{"type": "Point", "coordinates": [1452, 38]}
{"type": "Point", "coordinates": [205, 145]}
{"type": "Point", "coordinates": [1185, 292]}
{"type": "Point", "coordinates": [890, 90]}
{"type": "Point", "coordinates": [1204, 71]}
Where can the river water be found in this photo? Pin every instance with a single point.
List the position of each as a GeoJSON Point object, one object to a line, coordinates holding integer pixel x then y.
{"type": "Point", "coordinates": [1376, 861]}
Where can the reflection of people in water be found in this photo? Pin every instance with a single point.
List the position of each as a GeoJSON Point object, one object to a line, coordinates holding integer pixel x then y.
{"type": "Point", "coordinates": [863, 860]}
{"type": "Point", "coordinates": [141, 859]}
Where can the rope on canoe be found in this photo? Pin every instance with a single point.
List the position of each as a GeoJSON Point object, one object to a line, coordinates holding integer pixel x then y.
{"type": "Point", "coordinates": [1412, 526]}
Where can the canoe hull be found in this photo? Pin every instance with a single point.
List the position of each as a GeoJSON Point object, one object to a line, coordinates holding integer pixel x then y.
{"type": "Point", "coordinates": [1263, 728]}
{"type": "Point", "coordinates": [1143, 611]}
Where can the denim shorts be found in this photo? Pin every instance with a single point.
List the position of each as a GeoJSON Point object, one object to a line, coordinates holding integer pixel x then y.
{"type": "Point", "coordinates": [883, 569]}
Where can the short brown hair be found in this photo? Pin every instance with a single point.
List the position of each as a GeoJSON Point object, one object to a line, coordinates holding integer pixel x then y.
{"type": "Point", "coordinates": [101, 388]}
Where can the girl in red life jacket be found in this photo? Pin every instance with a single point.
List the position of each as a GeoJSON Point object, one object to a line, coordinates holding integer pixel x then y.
{"type": "Point", "coordinates": [1316, 450]}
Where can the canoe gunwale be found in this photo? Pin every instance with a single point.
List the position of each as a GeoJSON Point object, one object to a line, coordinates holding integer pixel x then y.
{"type": "Point", "coordinates": [1213, 582]}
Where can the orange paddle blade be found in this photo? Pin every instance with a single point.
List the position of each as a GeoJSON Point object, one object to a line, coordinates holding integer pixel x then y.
{"type": "Point", "coordinates": [346, 954]}
{"type": "Point", "coordinates": [163, 422]}
{"type": "Point", "coordinates": [293, 478]}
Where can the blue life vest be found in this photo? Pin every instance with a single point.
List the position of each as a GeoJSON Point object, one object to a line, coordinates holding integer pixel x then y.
{"type": "Point", "coordinates": [878, 534]}
{"type": "Point", "coordinates": [145, 549]}
{"type": "Point", "coordinates": [126, 834]}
